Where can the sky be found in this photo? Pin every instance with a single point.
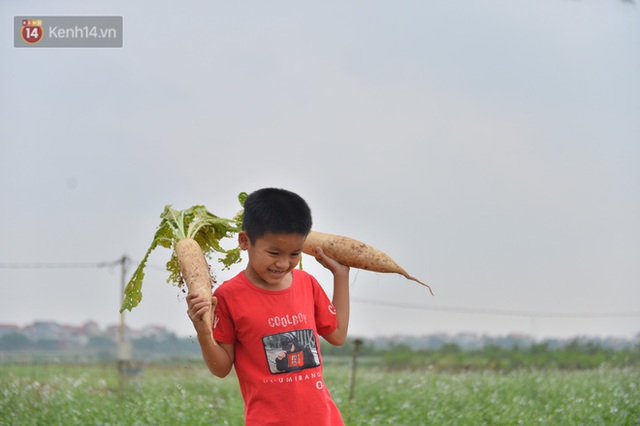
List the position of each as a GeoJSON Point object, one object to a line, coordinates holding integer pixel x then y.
{"type": "Point", "coordinates": [491, 148]}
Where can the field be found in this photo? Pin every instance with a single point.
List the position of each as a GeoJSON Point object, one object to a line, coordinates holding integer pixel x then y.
{"type": "Point", "coordinates": [188, 395]}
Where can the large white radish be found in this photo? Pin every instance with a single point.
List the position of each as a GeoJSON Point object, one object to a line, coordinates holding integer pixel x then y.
{"type": "Point", "coordinates": [355, 254]}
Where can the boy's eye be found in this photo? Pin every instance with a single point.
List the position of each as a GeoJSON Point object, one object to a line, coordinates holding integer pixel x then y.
{"type": "Point", "coordinates": [275, 253]}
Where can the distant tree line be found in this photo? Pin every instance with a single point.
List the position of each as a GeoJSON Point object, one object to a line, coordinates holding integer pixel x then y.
{"type": "Point", "coordinates": [101, 348]}
{"type": "Point", "coordinates": [575, 354]}
{"type": "Point", "coordinates": [450, 357]}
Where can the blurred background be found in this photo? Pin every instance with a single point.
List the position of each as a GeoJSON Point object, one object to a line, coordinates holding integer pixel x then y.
{"type": "Point", "coordinates": [491, 148]}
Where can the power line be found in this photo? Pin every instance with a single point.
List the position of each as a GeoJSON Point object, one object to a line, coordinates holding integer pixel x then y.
{"type": "Point", "coordinates": [499, 312]}
{"type": "Point", "coordinates": [78, 265]}
{"type": "Point", "coordinates": [60, 265]}
{"type": "Point", "coordinates": [453, 309]}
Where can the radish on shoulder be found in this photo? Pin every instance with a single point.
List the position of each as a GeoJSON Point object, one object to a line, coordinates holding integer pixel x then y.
{"type": "Point", "coordinates": [355, 254]}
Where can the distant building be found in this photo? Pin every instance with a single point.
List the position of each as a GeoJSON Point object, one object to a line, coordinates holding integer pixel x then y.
{"type": "Point", "coordinates": [9, 329]}
{"type": "Point", "coordinates": [42, 330]}
{"type": "Point", "coordinates": [91, 328]}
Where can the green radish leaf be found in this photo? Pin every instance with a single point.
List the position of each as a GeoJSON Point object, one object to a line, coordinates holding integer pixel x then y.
{"type": "Point", "coordinates": [196, 222]}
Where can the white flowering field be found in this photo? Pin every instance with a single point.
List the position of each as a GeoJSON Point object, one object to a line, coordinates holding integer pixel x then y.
{"type": "Point", "coordinates": [188, 395]}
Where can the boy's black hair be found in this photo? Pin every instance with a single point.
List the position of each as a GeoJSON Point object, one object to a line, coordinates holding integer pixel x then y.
{"type": "Point", "coordinates": [274, 210]}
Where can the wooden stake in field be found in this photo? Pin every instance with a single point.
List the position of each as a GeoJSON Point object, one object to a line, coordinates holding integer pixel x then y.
{"type": "Point", "coordinates": [356, 347]}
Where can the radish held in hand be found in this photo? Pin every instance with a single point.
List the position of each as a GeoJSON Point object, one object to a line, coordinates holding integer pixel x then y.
{"type": "Point", "coordinates": [193, 234]}
{"type": "Point", "coordinates": [355, 254]}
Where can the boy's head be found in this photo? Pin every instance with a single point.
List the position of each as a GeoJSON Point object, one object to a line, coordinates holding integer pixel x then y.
{"type": "Point", "coordinates": [277, 211]}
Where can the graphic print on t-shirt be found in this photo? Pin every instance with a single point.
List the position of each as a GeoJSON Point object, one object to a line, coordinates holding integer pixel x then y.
{"type": "Point", "coordinates": [291, 351]}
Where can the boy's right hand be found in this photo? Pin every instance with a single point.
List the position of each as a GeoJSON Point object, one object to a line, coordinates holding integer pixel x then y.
{"type": "Point", "coordinates": [198, 307]}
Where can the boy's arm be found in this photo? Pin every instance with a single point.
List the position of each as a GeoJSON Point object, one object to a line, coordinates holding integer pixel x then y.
{"type": "Point", "coordinates": [217, 356]}
{"type": "Point", "coordinates": [340, 297]}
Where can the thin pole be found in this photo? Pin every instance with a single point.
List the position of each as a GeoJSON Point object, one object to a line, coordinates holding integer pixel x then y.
{"type": "Point", "coordinates": [357, 343]}
{"type": "Point", "coordinates": [122, 356]}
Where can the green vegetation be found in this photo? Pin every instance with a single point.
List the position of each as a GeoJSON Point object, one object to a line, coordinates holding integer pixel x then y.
{"type": "Point", "coordinates": [197, 223]}
{"type": "Point", "coordinates": [183, 394]}
{"type": "Point", "coordinates": [539, 356]}
{"type": "Point", "coordinates": [574, 355]}
{"type": "Point", "coordinates": [580, 383]}
{"type": "Point", "coordinates": [93, 396]}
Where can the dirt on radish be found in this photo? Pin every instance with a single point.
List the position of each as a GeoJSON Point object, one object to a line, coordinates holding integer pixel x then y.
{"type": "Point", "coordinates": [355, 254]}
{"type": "Point", "coordinates": [195, 270]}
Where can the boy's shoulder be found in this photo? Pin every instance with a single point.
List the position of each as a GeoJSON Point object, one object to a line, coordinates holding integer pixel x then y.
{"type": "Point", "coordinates": [231, 283]}
{"type": "Point", "coordinates": [301, 273]}
{"type": "Point", "coordinates": [241, 284]}
{"type": "Point", "coordinates": [305, 278]}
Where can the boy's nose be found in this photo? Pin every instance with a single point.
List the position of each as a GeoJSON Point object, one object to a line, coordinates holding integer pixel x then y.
{"type": "Point", "coordinates": [282, 263]}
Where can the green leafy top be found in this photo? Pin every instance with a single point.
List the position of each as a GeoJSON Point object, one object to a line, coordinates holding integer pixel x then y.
{"type": "Point", "coordinates": [197, 223]}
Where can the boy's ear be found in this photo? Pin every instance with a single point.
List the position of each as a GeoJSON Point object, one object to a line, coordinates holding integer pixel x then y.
{"type": "Point", "coordinates": [243, 240]}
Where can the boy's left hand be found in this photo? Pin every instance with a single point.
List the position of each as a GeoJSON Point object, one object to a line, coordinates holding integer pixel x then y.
{"type": "Point", "coordinates": [329, 263]}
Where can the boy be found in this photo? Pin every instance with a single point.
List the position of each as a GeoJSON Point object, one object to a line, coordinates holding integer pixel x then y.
{"type": "Point", "coordinates": [268, 318]}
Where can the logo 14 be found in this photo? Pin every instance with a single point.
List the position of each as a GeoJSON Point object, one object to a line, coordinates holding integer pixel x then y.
{"type": "Point", "coordinates": [31, 31]}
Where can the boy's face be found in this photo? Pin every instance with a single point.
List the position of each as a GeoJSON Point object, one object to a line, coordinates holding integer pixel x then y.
{"type": "Point", "coordinates": [272, 258]}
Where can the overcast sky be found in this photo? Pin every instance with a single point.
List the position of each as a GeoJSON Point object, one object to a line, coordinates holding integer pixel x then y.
{"type": "Point", "coordinates": [492, 148]}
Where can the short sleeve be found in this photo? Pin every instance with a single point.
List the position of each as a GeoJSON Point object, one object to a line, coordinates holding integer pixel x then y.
{"type": "Point", "coordinates": [325, 312]}
{"type": "Point", "coordinates": [223, 326]}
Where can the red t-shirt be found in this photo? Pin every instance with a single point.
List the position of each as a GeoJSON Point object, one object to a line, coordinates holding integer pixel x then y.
{"type": "Point", "coordinates": [277, 349]}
